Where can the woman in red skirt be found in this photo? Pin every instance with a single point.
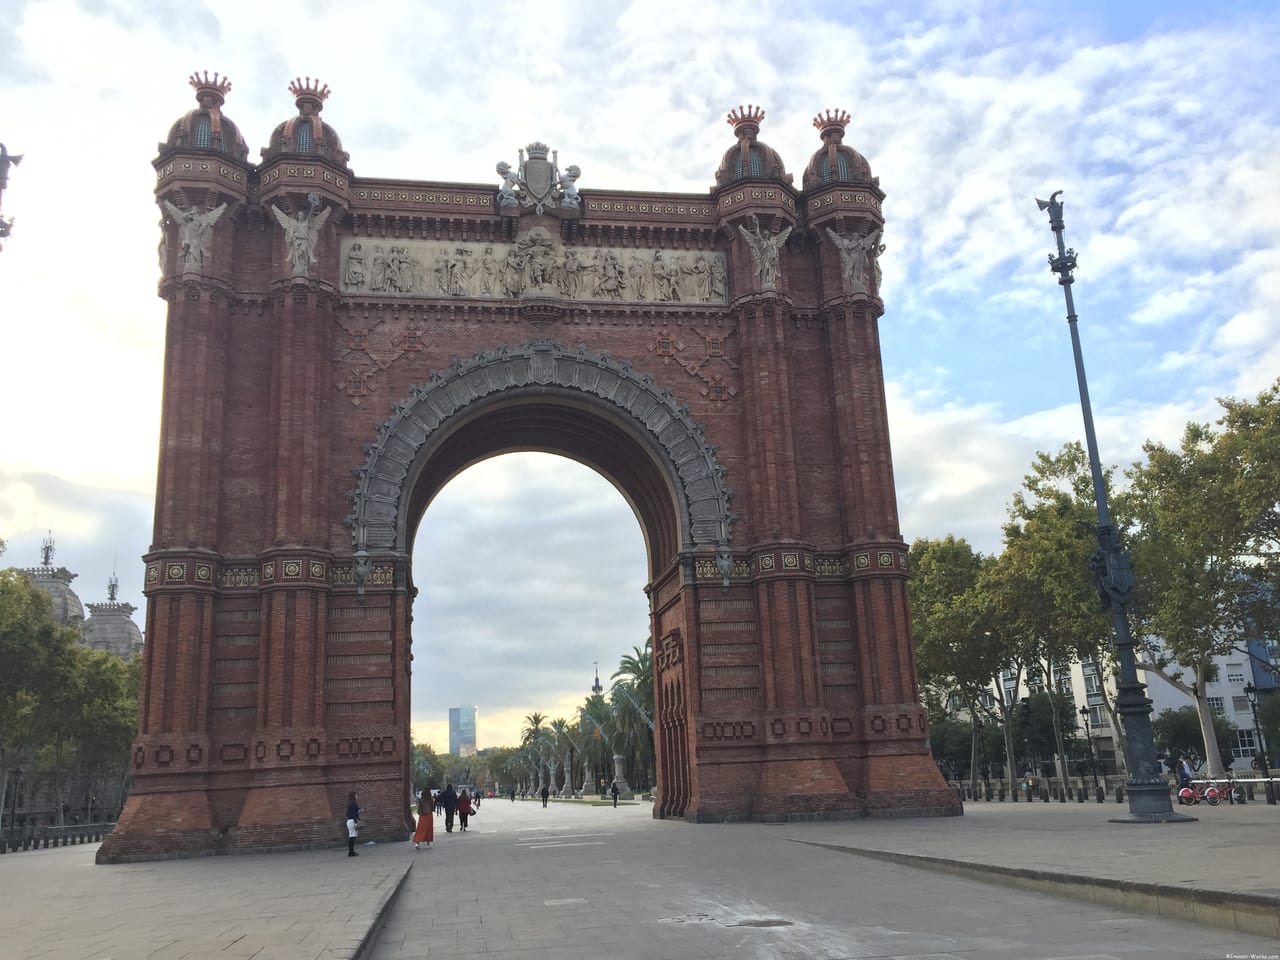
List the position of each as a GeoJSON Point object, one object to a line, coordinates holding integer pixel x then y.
{"type": "Point", "coordinates": [426, 811]}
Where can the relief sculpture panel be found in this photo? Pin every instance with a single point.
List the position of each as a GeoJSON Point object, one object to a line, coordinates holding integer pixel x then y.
{"type": "Point", "coordinates": [535, 265]}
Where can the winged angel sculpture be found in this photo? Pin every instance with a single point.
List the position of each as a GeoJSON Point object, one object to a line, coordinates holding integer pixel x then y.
{"type": "Point", "coordinates": [195, 230]}
{"type": "Point", "coordinates": [301, 232]}
{"type": "Point", "coordinates": [764, 251]}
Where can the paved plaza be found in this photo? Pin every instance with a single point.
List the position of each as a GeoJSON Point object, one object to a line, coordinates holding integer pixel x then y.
{"type": "Point", "coordinates": [574, 882]}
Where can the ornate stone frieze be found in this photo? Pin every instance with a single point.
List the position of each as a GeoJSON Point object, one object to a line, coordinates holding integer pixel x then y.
{"type": "Point", "coordinates": [536, 265]}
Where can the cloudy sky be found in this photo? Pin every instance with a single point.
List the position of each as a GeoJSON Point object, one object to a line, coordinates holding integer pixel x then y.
{"type": "Point", "coordinates": [1158, 120]}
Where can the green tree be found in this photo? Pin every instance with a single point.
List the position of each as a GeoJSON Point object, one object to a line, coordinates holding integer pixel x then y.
{"type": "Point", "coordinates": [425, 768]}
{"type": "Point", "coordinates": [632, 705]}
{"type": "Point", "coordinates": [1205, 549]}
{"type": "Point", "coordinates": [33, 651]}
{"type": "Point", "coordinates": [1177, 734]}
{"type": "Point", "coordinates": [1054, 605]}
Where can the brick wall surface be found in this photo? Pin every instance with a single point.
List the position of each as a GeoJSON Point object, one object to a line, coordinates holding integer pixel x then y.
{"type": "Point", "coordinates": [275, 680]}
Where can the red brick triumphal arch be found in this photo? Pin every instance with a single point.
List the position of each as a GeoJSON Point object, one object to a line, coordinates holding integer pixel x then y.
{"type": "Point", "coordinates": [339, 347]}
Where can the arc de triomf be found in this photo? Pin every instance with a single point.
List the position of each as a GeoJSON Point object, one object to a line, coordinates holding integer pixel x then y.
{"type": "Point", "coordinates": [339, 347]}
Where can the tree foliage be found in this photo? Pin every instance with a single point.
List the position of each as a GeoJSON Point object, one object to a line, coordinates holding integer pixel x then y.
{"type": "Point", "coordinates": [1208, 519]}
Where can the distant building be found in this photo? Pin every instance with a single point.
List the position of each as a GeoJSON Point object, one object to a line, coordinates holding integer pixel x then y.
{"type": "Point", "coordinates": [462, 731]}
{"type": "Point", "coordinates": [110, 626]}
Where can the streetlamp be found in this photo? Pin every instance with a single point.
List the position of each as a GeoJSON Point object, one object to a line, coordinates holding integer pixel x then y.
{"type": "Point", "coordinates": [13, 810]}
{"type": "Point", "coordinates": [1251, 692]}
{"type": "Point", "coordinates": [1148, 791]}
{"type": "Point", "coordinates": [1088, 738]}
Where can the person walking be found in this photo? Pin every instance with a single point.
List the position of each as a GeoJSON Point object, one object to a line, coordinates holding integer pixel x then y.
{"type": "Point", "coordinates": [513, 794]}
{"type": "Point", "coordinates": [425, 831]}
{"type": "Point", "coordinates": [613, 789]}
{"type": "Point", "coordinates": [449, 800]}
{"type": "Point", "coordinates": [464, 809]}
{"type": "Point", "coordinates": [353, 824]}
{"type": "Point", "coordinates": [546, 792]}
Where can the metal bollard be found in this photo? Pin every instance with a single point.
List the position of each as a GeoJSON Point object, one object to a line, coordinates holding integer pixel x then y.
{"type": "Point", "coordinates": [1001, 793]}
{"type": "Point", "coordinates": [1102, 795]}
{"type": "Point", "coordinates": [1119, 794]}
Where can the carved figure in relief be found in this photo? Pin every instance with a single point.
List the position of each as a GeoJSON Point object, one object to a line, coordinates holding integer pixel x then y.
{"type": "Point", "coordinates": [487, 271]}
{"type": "Point", "coordinates": [764, 251]}
{"type": "Point", "coordinates": [700, 277]}
{"type": "Point", "coordinates": [441, 272]}
{"type": "Point", "coordinates": [301, 233]}
{"type": "Point", "coordinates": [719, 281]}
{"type": "Point", "coordinates": [378, 275]}
{"type": "Point", "coordinates": [610, 278]}
{"type": "Point", "coordinates": [640, 270]}
{"type": "Point", "coordinates": [512, 277]}
{"type": "Point", "coordinates": [539, 260]}
{"type": "Point", "coordinates": [858, 258]}
{"type": "Point", "coordinates": [667, 277]}
{"type": "Point", "coordinates": [570, 274]}
{"type": "Point", "coordinates": [507, 195]}
{"type": "Point", "coordinates": [195, 230]}
{"type": "Point", "coordinates": [355, 276]}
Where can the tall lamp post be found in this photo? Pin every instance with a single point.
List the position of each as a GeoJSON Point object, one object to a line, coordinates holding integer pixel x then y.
{"type": "Point", "coordinates": [1147, 789]}
{"type": "Point", "coordinates": [1088, 738]}
{"type": "Point", "coordinates": [1251, 692]}
{"type": "Point", "coordinates": [13, 810]}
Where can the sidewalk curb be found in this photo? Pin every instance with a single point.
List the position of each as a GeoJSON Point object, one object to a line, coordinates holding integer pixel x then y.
{"type": "Point", "coordinates": [1243, 912]}
{"type": "Point", "coordinates": [370, 938]}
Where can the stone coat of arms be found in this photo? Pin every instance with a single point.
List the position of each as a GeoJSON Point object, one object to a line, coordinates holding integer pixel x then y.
{"type": "Point", "coordinates": [537, 182]}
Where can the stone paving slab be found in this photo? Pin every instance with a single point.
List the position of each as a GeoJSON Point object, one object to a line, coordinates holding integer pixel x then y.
{"type": "Point", "coordinates": [317, 905]}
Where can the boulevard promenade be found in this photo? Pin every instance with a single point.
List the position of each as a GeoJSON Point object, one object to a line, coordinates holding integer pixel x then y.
{"type": "Point", "coordinates": [574, 882]}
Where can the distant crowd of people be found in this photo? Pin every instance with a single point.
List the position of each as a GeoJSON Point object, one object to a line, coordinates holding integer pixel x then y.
{"type": "Point", "coordinates": [456, 806]}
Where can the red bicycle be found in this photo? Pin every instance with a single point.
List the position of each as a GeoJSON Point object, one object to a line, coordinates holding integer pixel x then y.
{"type": "Point", "coordinates": [1199, 790]}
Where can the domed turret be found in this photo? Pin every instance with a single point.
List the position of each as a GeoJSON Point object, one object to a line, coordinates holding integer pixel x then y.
{"type": "Point", "coordinates": [749, 159]}
{"type": "Point", "coordinates": [110, 626]}
{"type": "Point", "coordinates": [834, 162]}
{"type": "Point", "coordinates": [68, 611]}
{"type": "Point", "coordinates": [306, 134]}
{"type": "Point", "coordinates": [205, 128]}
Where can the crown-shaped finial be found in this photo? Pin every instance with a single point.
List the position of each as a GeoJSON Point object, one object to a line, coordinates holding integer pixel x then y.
{"type": "Point", "coordinates": [309, 89]}
{"type": "Point", "coordinates": [746, 120]}
{"type": "Point", "coordinates": [831, 121]}
{"type": "Point", "coordinates": [537, 150]}
{"type": "Point", "coordinates": [216, 86]}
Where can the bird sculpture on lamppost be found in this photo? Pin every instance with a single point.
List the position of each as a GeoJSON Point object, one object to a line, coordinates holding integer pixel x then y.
{"type": "Point", "coordinates": [7, 160]}
{"type": "Point", "coordinates": [1147, 789]}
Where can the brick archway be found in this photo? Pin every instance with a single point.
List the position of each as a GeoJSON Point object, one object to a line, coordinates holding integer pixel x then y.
{"type": "Point", "coordinates": [680, 344]}
{"type": "Point", "coordinates": [545, 383]}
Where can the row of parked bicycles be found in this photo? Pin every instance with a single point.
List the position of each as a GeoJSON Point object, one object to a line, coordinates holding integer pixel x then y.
{"type": "Point", "coordinates": [1212, 792]}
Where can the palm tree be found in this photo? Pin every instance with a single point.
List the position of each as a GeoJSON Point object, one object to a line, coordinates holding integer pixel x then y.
{"type": "Point", "coordinates": [632, 700]}
{"type": "Point", "coordinates": [595, 744]}
{"type": "Point", "coordinates": [562, 747]}
{"type": "Point", "coordinates": [532, 727]}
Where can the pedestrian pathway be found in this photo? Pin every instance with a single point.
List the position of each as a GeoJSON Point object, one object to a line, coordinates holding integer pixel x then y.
{"type": "Point", "coordinates": [574, 881]}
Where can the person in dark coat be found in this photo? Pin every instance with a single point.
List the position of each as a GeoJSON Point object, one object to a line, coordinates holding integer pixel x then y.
{"type": "Point", "coordinates": [546, 792]}
{"type": "Point", "coordinates": [353, 824]}
{"type": "Point", "coordinates": [613, 790]}
{"type": "Point", "coordinates": [449, 800]}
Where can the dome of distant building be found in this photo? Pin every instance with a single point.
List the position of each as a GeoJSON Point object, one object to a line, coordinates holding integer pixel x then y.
{"type": "Point", "coordinates": [206, 127]}
{"type": "Point", "coordinates": [749, 158]}
{"type": "Point", "coordinates": [834, 162]}
{"type": "Point", "coordinates": [68, 611]}
{"type": "Point", "coordinates": [307, 134]}
{"type": "Point", "coordinates": [110, 626]}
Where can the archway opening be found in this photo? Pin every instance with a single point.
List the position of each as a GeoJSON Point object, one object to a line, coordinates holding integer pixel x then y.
{"type": "Point", "coordinates": [530, 568]}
